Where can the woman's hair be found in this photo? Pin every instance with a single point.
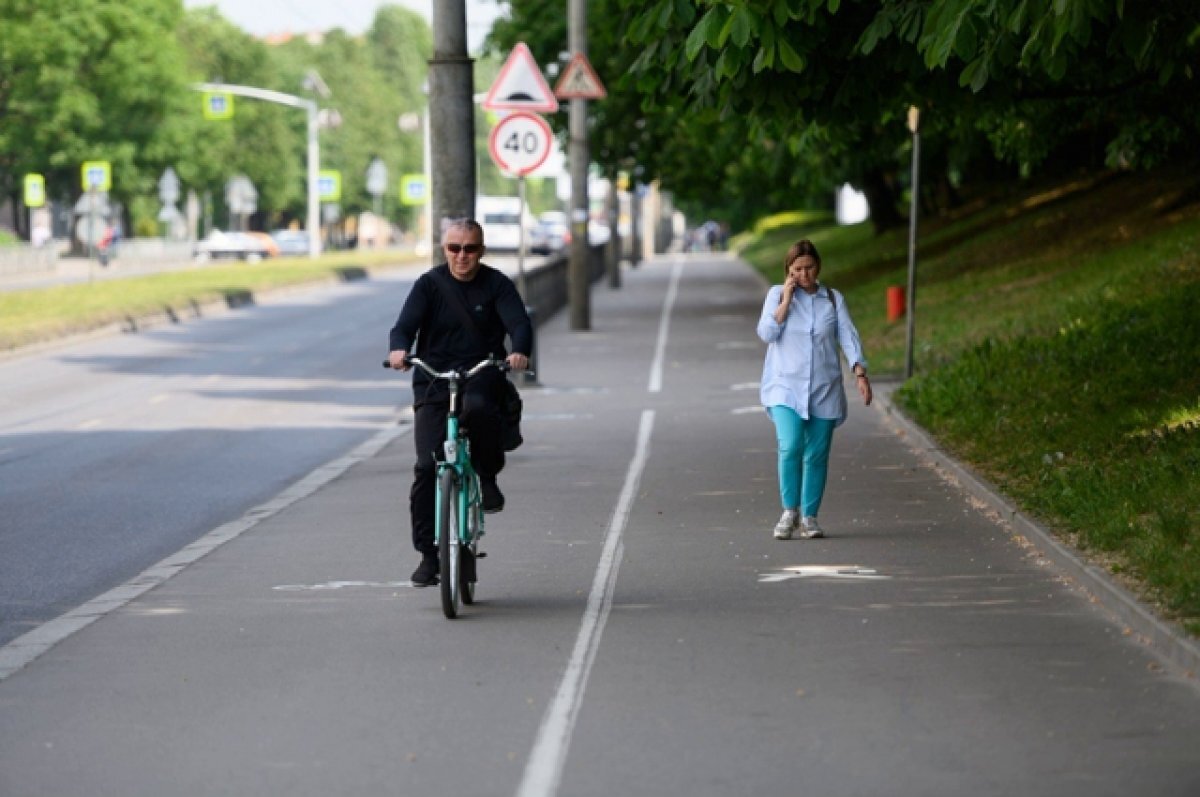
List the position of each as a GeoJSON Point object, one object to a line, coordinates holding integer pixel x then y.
{"type": "Point", "coordinates": [799, 249]}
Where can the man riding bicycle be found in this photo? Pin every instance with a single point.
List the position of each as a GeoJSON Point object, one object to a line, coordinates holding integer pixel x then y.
{"type": "Point", "coordinates": [430, 319]}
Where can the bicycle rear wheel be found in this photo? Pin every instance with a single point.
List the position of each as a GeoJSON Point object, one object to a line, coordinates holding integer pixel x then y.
{"type": "Point", "coordinates": [448, 544]}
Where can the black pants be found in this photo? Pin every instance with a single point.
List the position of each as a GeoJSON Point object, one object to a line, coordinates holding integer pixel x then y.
{"type": "Point", "coordinates": [482, 419]}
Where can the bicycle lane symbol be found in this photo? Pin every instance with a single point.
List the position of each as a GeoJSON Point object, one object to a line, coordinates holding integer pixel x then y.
{"type": "Point", "coordinates": [848, 572]}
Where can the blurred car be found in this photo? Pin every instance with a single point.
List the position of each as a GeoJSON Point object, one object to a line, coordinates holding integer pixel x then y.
{"type": "Point", "coordinates": [270, 248]}
{"type": "Point", "coordinates": [500, 217]}
{"type": "Point", "coordinates": [557, 227]}
{"type": "Point", "coordinates": [598, 233]}
{"type": "Point", "coordinates": [291, 242]}
{"type": "Point", "coordinates": [537, 240]}
{"type": "Point", "coordinates": [250, 247]}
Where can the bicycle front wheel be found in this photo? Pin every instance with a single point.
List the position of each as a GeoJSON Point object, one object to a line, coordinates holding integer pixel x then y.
{"type": "Point", "coordinates": [448, 542]}
{"type": "Point", "coordinates": [468, 563]}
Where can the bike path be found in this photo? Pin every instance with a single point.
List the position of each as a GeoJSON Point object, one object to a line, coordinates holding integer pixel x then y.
{"type": "Point", "coordinates": [638, 629]}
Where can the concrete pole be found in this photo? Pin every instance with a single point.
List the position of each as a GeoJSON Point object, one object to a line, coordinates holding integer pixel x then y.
{"type": "Point", "coordinates": [613, 250]}
{"type": "Point", "coordinates": [635, 226]}
{"type": "Point", "coordinates": [577, 155]}
{"type": "Point", "coordinates": [451, 120]}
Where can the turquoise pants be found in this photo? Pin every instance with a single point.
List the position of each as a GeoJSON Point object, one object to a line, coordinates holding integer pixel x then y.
{"type": "Point", "coordinates": [803, 458]}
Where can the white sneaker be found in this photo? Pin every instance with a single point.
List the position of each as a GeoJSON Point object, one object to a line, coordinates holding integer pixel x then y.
{"type": "Point", "coordinates": [787, 522]}
{"type": "Point", "coordinates": [810, 528]}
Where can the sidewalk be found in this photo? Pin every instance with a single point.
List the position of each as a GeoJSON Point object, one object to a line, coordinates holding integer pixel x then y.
{"type": "Point", "coordinates": [922, 648]}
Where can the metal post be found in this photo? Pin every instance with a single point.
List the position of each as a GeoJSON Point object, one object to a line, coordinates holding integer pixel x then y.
{"type": "Point", "coordinates": [314, 147]}
{"type": "Point", "coordinates": [452, 118]}
{"type": "Point", "coordinates": [635, 226]}
{"type": "Point", "coordinates": [914, 124]}
{"type": "Point", "coordinates": [521, 239]}
{"type": "Point", "coordinates": [578, 276]}
{"type": "Point", "coordinates": [91, 229]}
{"type": "Point", "coordinates": [613, 249]}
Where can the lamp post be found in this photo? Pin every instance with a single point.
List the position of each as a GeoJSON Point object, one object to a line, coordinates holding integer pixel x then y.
{"type": "Point", "coordinates": [914, 126]}
{"type": "Point", "coordinates": [313, 222]}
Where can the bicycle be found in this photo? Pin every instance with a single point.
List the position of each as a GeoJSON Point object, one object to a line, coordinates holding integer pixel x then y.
{"type": "Point", "coordinates": [459, 518]}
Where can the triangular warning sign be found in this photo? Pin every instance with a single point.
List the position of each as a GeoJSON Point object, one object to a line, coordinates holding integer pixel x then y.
{"type": "Point", "coordinates": [520, 85]}
{"type": "Point", "coordinates": [579, 81]}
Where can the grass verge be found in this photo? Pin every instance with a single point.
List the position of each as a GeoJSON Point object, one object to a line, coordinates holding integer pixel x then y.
{"type": "Point", "coordinates": [42, 314]}
{"type": "Point", "coordinates": [1057, 331]}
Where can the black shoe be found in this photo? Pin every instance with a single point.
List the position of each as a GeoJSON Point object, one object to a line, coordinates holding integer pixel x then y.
{"type": "Point", "coordinates": [426, 574]}
{"type": "Point", "coordinates": [493, 499]}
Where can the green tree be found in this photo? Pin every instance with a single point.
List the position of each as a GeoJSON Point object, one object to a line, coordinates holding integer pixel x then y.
{"type": "Point", "coordinates": [264, 141]}
{"type": "Point", "coordinates": [88, 80]}
{"type": "Point", "coordinates": [824, 84]}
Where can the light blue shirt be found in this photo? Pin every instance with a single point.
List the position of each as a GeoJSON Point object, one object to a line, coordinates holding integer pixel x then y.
{"type": "Point", "coordinates": [801, 369]}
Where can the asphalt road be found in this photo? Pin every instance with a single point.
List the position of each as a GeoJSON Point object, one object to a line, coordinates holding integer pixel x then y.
{"type": "Point", "coordinates": [638, 630]}
{"type": "Point", "coordinates": [117, 452]}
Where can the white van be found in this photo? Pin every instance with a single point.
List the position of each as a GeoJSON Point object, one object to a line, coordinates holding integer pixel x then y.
{"type": "Point", "coordinates": [500, 217]}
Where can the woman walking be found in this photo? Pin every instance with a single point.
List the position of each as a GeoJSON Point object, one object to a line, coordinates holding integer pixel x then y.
{"type": "Point", "coordinates": [804, 323]}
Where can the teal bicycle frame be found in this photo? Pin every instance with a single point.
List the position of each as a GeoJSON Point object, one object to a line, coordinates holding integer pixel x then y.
{"type": "Point", "coordinates": [458, 517]}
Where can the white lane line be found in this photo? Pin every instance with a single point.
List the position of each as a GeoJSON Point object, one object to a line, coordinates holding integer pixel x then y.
{"type": "Point", "coordinates": [544, 769]}
{"type": "Point", "coordinates": [664, 325]}
{"type": "Point", "coordinates": [24, 649]}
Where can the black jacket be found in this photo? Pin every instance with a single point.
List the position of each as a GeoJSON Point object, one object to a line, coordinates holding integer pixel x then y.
{"type": "Point", "coordinates": [436, 328]}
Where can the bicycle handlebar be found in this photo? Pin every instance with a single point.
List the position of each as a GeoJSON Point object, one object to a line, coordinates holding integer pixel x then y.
{"type": "Point", "coordinates": [418, 362]}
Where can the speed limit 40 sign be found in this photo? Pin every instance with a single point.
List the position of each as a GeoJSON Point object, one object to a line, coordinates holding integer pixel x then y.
{"type": "Point", "coordinates": [520, 143]}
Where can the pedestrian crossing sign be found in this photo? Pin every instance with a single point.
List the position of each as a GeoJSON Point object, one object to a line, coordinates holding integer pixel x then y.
{"type": "Point", "coordinates": [35, 190]}
{"type": "Point", "coordinates": [218, 105]}
{"type": "Point", "coordinates": [413, 189]}
{"type": "Point", "coordinates": [579, 81]}
{"type": "Point", "coordinates": [97, 175]}
{"type": "Point", "coordinates": [329, 185]}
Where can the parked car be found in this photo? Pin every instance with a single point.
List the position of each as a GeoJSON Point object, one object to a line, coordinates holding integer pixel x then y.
{"type": "Point", "coordinates": [291, 242]}
{"type": "Point", "coordinates": [557, 226]}
{"type": "Point", "coordinates": [537, 240]}
{"type": "Point", "coordinates": [246, 246]}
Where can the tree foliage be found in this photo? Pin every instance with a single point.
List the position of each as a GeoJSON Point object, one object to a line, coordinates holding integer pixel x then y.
{"type": "Point", "coordinates": [115, 80]}
{"type": "Point", "coordinates": [821, 87]}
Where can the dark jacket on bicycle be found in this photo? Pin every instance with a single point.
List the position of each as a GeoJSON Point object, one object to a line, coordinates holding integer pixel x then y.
{"type": "Point", "coordinates": [436, 329]}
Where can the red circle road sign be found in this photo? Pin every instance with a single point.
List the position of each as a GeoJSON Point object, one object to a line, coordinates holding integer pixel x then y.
{"type": "Point", "coordinates": [520, 143]}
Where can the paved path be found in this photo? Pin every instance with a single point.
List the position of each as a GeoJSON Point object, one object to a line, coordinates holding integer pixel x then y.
{"type": "Point", "coordinates": [638, 630]}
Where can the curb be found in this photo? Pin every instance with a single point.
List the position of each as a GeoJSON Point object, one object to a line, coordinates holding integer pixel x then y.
{"type": "Point", "coordinates": [1168, 641]}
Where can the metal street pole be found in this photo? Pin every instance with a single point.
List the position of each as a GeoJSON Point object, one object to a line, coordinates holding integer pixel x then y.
{"type": "Point", "coordinates": [451, 119]}
{"type": "Point", "coordinates": [613, 250]}
{"type": "Point", "coordinates": [914, 125]}
{"type": "Point", "coordinates": [577, 153]}
{"type": "Point", "coordinates": [521, 239]}
{"type": "Point", "coordinates": [313, 222]}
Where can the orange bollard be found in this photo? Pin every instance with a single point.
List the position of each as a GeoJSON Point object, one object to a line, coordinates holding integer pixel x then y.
{"type": "Point", "coordinates": [895, 302]}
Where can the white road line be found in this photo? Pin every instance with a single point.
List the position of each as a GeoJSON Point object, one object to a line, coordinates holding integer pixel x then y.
{"type": "Point", "coordinates": [24, 649]}
{"type": "Point", "coordinates": [664, 325]}
{"type": "Point", "coordinates": [544, 769]}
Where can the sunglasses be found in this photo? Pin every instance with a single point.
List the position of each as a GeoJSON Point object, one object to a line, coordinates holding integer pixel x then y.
{"type": "Point", "coordinates": [470, 249]}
